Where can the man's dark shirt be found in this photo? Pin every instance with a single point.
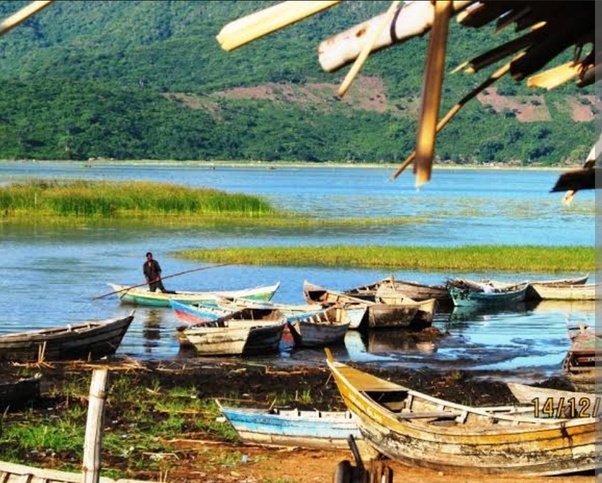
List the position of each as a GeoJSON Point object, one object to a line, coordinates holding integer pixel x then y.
{"type": "Point", "coordinates": [152, 270]}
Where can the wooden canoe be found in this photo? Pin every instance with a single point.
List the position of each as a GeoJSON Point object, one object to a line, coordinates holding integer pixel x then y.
{"type": "Point", "coordinates": [468, 295]}
{"type": "Point", "coordinates": [328, 430]}
{"type": "Point", "coordinates": [323, 328]}
{"type": "Point", "coordinates": [378, 315]}
{"type": "Point", "coordinates": [564, 291]}
{"type": "Point", "coordinates": [289, 310]}
{"type": "Point", "coordinates": [143, 296]}
{"type": "Point", "coordinates": [85, 340]}
{"type": "Point", "coordinates": [420, 430]}
{"type": "Point", "coordinates": [414, 290]}
{"type": "Point", "coordinates": [568, 403]}
{"type": "Point", "coordinates": [14, 473]}
{"type": "Point", "coordinates": [244, 332]}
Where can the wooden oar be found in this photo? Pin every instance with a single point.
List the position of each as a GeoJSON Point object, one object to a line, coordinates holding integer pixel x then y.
{"type": "Point", "coordinates": [163, 278]}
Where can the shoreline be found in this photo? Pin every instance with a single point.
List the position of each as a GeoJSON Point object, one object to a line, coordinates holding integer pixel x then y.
{"type": "Point", "coordinates": [289, 164]}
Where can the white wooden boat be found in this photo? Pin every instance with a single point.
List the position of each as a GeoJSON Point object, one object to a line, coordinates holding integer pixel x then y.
{"type": "Point", "coordinates": [289, 310]}
{"type": "Point", "coordinates": [421, 430]}
{"type": "Point", "coordinates": [328, 430]}
{"type": "Point", "coordinates": [378, 315]}
{"type": "Point", "coordinates": [245, 332]}
{"type": "Point", "coordinates": [143, 296]}
{"type": "Point", "coordinates": [565, 292]}
{"type": "Point", "coordinates": [320, 329]}
{"type": "Point", "coordinates": [567, 403]}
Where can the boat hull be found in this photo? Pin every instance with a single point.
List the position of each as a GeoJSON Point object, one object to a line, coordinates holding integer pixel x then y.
{"type": "Point", "coordinates": [327, 327]}
{"type": "Point", "coordinates": [143, 296]}
{"type": "Point", "coordinates": [565, 292]}
{"type": "Point", "coordinates": [293, 428]}
{"type": "Point", "coordinates": [423, 431]}
{"type": "Point", "coordinates": [463, 297]}
{"type": "Point", "coordinates": [239, 338]}
{"type": "Point", "coordinates": [88, 340]}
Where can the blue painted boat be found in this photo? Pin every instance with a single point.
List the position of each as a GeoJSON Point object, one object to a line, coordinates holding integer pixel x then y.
{"type": "Point", "coordinates": [471, 294]}
{"type": "Point", "coordinates": [292, 427]}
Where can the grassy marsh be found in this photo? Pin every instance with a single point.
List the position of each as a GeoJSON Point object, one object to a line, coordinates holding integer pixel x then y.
{"type": "Point", "coordinates": [456, 259]}
{"type": "Point", "coordinates": [84, 198]}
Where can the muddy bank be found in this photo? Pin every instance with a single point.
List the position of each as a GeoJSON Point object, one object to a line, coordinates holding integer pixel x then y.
{"type": "Point", "coordinates": [138, 395]}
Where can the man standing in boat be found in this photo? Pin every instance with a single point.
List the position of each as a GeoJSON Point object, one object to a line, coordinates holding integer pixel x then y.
{"type": "Point", "coordinates": [152, 273]}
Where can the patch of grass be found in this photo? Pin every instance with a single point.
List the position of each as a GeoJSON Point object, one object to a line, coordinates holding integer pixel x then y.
{"type": "Point", "coordinates": [455, 259]}
{"type": "Point", "coordinates": [85, 198]}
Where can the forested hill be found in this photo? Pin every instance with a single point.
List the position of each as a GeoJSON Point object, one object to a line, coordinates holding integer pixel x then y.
{"type": "Point", "coordinates": [148, 80]}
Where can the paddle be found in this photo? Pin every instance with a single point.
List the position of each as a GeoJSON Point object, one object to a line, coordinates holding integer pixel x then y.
{"type": "Point", "coordinates": [162, 278]}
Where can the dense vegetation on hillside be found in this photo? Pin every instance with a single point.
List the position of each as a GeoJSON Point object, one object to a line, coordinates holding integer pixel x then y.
{"type": "Point", "coordinates": [107, 80]}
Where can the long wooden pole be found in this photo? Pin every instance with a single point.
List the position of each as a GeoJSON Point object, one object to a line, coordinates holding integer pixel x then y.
{"type": "Point", "coordinates": [163, 278]}
{"type": "Point", "coordinates": [264, 22]}
{"type": "Point", "coordinates": [22, 15]}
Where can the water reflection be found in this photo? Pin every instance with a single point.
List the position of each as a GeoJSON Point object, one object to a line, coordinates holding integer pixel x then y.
{"type": "Point", "coordinates": [151, 332]}
{"type": "Point", "coordinates": [386, 341]}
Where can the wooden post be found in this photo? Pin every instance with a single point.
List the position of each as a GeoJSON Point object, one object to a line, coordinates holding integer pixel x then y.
{"type": "Point", "coordinates": [93, 438]}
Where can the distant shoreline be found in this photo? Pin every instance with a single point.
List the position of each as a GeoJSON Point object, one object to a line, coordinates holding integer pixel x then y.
{"type": "Point", "coordinates": [290, 164]}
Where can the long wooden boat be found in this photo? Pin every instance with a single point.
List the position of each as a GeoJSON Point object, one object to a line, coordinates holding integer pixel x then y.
{"type": "Point", "coordinates": [565, 291]}
{"type": "Point", "coordinates": [15, 473]}
{"type": "Point", "coordinates": [15, 392]}
{"type": "Point", "coordinates": [143, 296]}
{"type": "Point", "coordinates": [550, 289]}
{"type": "Point", "coordinates": [466, 294]}
{"type": "Point", "coordinates": [292, 427]}
{"type": "Point", "coordinates": [569, 403]}
{"type": "Point", "coordinates": [414, 290]}
{"type": "Point", "coordinates": [289, 310]}
{"type": "Point", "coordinates": [320, 329]}
{"type": "Point", "coordinates": [378, 315]}
{"type": "Point", "coordinates": [420, 430]}
{"type": "Point", "coordinates": [244, 332]}
{"type": "Point", "coordinates": [84, 340]}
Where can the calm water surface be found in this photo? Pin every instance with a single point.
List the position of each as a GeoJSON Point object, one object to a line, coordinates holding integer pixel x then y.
{"type": "Point", "coordinates": [51, 274]}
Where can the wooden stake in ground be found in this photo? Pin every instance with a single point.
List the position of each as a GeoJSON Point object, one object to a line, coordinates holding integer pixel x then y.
{"type": "Point", "coordinates": [93, 438]}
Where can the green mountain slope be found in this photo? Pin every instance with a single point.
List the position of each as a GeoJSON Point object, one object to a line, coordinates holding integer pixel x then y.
{"type": "Point", "coordinates": [147, 80]}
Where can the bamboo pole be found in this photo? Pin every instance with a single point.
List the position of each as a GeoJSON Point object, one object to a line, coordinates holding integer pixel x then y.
{"type": "Point", "coordinates": [454, 110]}
{"type": "Point", "coordinates": [411, 20]}
{"type": "Point", "coordinates": [264, 22]}
{"type": "Point", "coordinates": [93, 437]}
{"type": "Point", "coordinates": [22, 15]}
{"type": "Point", "coordinates": [431, 93]}
{"type": "Point", "coordinates": [367, 48]}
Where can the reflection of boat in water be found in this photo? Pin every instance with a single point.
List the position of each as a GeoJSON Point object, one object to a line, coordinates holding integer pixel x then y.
{"type": "Point", "coordinates": [566, 306]}
{"type": "Point", "coordinates": [478, 313]}
{"type": "Point", "coordinates": [396, 341]}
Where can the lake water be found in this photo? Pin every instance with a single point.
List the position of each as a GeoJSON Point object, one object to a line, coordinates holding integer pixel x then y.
{"type": "Point", "coordinates": [50, 275]}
